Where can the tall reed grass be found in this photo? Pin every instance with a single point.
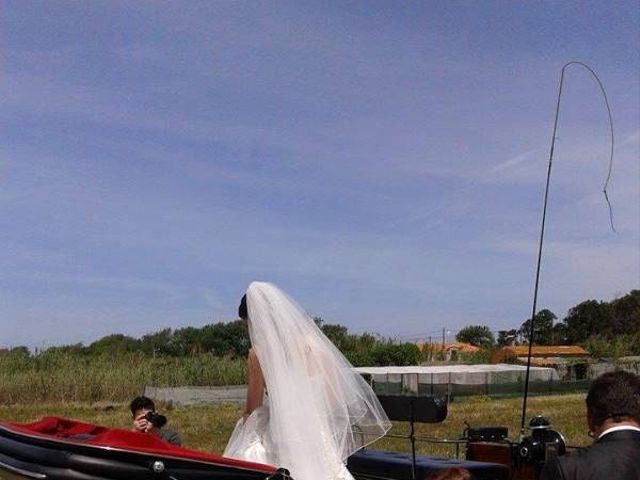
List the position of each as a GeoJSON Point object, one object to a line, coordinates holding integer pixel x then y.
{"type": "Point", "coordinates": [70, 377]}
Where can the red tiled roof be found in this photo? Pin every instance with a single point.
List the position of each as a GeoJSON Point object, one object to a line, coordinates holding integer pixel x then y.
{"type": "Point", "coordinates": [548, 351]}
{"type": "Point", "coordinates": [562, 351]}
{"type": "Point", "coordinates": [439, 347]}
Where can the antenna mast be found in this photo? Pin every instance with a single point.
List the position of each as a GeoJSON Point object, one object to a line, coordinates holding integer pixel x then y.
{"type": "Point", "coordinates": [544, 216]}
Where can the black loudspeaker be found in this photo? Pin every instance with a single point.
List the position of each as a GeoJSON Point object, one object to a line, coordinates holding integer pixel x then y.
{"type": "Point", "coordinates": [404, 408]}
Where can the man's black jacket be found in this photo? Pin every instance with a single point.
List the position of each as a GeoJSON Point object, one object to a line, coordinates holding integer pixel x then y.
{"type": "Point", "coordinates": [615, 456]}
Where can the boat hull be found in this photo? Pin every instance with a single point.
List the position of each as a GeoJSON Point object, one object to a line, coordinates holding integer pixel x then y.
{"type": "Point", "coordinates": [26, 455]}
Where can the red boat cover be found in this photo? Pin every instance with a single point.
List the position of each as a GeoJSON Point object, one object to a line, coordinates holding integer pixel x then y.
{"type": "Point", "coordinates": [87, 434]}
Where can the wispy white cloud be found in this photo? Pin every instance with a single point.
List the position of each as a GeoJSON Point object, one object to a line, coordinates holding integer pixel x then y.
{"type": "Point", "coordinates": [512, 162]}
{"type": "Point", "coordinates": [632, 138]}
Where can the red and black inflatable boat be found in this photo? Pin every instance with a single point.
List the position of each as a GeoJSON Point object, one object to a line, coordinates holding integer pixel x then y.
{"type": "Point", "coordinates": [60, 449]}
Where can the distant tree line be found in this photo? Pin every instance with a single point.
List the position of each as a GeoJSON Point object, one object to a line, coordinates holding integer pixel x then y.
{"type": "Point", "coordinates": [368, 349]}
{"type": "Point", "coordinates": [222, 339]}
{"type": "Point", "coordinates": [231, 339]}
{"type": "Point", "coordinates": [604, 328]}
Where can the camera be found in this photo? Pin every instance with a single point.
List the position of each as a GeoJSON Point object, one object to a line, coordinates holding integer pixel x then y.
{"type": "Point", "coordinates": [156, 419]}
{"type": "Point", "coordinates": [543, 443]}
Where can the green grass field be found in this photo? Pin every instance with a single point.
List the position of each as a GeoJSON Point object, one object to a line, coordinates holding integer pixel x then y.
{"type": "Point", "coordinates": [72, 386]}
{"type": "Point", "coordinates": [207, 428]}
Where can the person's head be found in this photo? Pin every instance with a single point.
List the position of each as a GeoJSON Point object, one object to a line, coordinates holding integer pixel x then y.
{"type": "Point", "coordinates": [242, 309]}
{"type": "Point", "coordinates": [141, 405]}
{"type": "Point", "coordinates": [613, 398]}
{"type": "Point", "coordinates": [456, 473]}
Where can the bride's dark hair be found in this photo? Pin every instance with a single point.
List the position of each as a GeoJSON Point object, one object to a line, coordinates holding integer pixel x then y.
{"type": "Point", "coordinates": [242, 309]}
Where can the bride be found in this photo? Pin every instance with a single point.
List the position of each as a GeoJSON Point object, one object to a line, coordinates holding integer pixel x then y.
{"type": "Point", "coordinates": [306, 410]}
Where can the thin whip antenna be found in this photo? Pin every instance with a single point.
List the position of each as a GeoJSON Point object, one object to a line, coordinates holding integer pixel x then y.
{"type": "Point", "coordinates": [544, 216]}
{"type": "Point", "coordinates": [606, 102]}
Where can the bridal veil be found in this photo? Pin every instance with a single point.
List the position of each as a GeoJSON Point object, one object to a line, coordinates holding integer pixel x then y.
{"type": "Point", "coordinates": [320, 410]}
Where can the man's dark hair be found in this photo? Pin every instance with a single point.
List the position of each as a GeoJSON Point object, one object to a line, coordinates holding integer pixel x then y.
{"type": "Point", "coordinates": [141, 402]}
{"type": "Point", "coordinates": [614, 395]}
{"type": "Point", "coordinates": [242, 309]}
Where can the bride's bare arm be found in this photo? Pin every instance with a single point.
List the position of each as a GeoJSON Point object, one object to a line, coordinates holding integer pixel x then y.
{"type": "Point", "coordinates": [255, 390]}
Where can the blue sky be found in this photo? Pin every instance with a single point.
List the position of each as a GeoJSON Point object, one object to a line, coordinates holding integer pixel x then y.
{"type": "Point", "coordinates": [383, 162]}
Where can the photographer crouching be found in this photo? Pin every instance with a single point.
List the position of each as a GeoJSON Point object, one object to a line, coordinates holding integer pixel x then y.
{"type": "Point", "coordinates": [147, 420]}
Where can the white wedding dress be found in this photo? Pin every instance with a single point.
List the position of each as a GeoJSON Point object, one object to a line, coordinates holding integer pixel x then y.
{"type": "Point", "coordinates": [318, 411]}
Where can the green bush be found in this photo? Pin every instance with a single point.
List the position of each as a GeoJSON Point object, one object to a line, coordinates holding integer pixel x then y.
{"type": "Point", "coordinates": [396, 355]}
{"type": "Point", "coordinates": [603, 346]}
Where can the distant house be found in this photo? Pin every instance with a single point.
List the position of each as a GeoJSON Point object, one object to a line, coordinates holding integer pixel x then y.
{"type": "Point", "coordinates": [570, 361]}
{"type": "Point", "coordinates": [447, 351]}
